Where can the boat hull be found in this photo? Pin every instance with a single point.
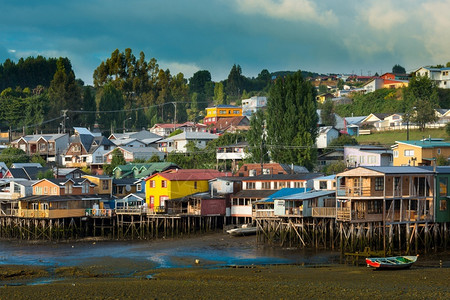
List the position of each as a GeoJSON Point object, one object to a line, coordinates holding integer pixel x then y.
{"type": "Point", "coordinates": [391, 263]}
{"type": "Point", "coordinates": [242, 231]}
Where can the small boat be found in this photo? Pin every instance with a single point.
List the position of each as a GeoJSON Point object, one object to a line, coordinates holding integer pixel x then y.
{"type": "Point", "coordinates": [244, 230]}
{"type": "Point", "coordinates": [394, 263]}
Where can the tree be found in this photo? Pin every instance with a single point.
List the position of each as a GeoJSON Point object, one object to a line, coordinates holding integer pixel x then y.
{"type": "Point", "coordinates": [88, 106]}
{"type": "Point", "coordinates": [397, 69]}
{"type": "Point", "coordinates": [198, 81]}
{"type": "Point", "coordinates": [420, 100]}
{"type": "Point", "coordinates": [64, 93]}
{"type": "Point", "coordinates": [256, 138]}
{"type": "Point", "coordinates": [235, 82]}
{"type": "Point", "coordinates": [45, 175]}
{"type": "Point", "coordinates": [36, 158]}
{"type": "Point", "coordinates": [219, 96]}
{"type": "Point", "coordinates": [116, 160]}
{"type": "Point", "coordinates": [323, 89]}
{"type": "Point", "coordinates": [327, 114]}
{"type": "Point", "coordinates": [110, 100]}
{"type": "Point", "coordinates": [175, 132]}
{"type": "Point", "coordinates": [442, 160]}
{"type": "Point", "coordinates": [292, 121]}
{"type": "Point", "coordinates": [341, 141]}
{"type": "Point", "coordinates": [340, 84]}
{"type": "Point", "coordinates": [154, 158]}
{"type": "Point", "coordinates": [13, 155]}
{"type": "Point", "coordinates": [335, 168]}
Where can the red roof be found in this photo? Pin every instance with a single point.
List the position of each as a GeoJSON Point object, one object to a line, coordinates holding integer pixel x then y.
{"type": "Point", "coordinates": [190, 174]}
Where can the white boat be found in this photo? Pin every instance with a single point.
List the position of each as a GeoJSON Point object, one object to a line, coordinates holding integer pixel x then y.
{"type": "Point", "coordinates": [244, 230]}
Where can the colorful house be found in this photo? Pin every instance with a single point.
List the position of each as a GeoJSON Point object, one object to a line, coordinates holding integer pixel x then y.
{"type": "Point", "coordinates": [103, 184]}
{"type": "Point", "coordinates": [58, 187]}
{"type": "Point", "coordinates": [419, 153]}
{"type": "Point", "coordinates": [174, 184]}
{"type": "Point", "coordinates": [213, 114]}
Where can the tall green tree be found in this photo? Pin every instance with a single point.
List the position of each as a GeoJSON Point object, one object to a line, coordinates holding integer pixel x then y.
{"type": "Point", "coordinates": [256, 138]}
{"type": "Point", "coordinates": [235, 82]}
{"type": "Point", "coordinates": [327, 113]}
{"type": "Point", "coordinates": [89, 106]}
{"type": "Point", "coordinates": [64, 92]}
{"type": "Point", "coordinates": [198, 81]}
{"type": "Point", "coordinates": [13, 155]}
{"type": "Point", "coordinates": [219, 95]}
{"type": "Point", "coordinates": [111, 99]}
{"type": "Point", "coordinates": [292, 121]}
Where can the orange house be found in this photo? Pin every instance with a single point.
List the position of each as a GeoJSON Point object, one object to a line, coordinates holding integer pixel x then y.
{"type": "Point", "coordinates": [58, 187]}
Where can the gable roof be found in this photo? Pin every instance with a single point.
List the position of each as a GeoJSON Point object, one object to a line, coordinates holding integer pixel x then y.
{"type": "Point", "coordinates": [191, 136]}
{"type": "Point", "coordinates": [225, 123]}
{"type": "Point", "coordinates": [426, 143]}
{"type": "Point", "coordinates": [189, 174]}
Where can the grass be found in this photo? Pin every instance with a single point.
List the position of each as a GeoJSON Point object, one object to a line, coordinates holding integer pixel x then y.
{"type": "Point", "coordinates": [389, 137]}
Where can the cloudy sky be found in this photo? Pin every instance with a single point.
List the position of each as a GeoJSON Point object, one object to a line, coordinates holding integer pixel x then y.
{"type": "Point", "coordinates": [328, 36]}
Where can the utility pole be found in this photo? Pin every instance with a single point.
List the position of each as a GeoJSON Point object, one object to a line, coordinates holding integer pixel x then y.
{"type": "Point", "coordinates": [175, 116]}
{"type": "Point", "coordinates": [64, 119]}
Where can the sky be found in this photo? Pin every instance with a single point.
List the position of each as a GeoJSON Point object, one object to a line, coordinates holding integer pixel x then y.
{"type": "Point", "coordinates": [328, 36]}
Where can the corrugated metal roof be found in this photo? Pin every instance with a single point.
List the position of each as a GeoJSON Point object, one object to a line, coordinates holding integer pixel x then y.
{"type": "Point", "coordinates": [258, 194]}
{"type": "Point", "coordinates": [189, 174]}
{"type": "Point", "coordinates": [307, 195]}
{"type": "Point", "coordinates": [399, 170]}
{"type": "Point", "coordinates": [283, 193]}
{"type": "Point", "coordinates": [272, 177]}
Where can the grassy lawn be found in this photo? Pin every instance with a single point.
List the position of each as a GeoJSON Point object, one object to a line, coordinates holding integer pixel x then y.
{"type": "Point", "coordinates": [389, 137]}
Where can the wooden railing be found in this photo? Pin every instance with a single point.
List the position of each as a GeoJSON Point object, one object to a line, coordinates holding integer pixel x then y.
{"type": "Point", "coordinates": [263, 213]}
{"type": "Point", "coordinates": [324, 212]}
{"type": "Point", "coordinates": [343, 214]}
{"type": "Point", "coordinates": [93, 212]}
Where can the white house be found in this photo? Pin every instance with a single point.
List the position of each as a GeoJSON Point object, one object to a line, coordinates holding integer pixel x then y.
{"type": "Point", "coordinates": [178, 142]}
{"type": "Point", "coordinates": [326, 135]}
{"type": "Point", "coordinates": [141, 138]}
{"type": "Point", "coordinates": [253, 104]}
{"type": "Point", "coordinates": [132, 153]}
{"type": "Point", "coordinates": [440, 76]}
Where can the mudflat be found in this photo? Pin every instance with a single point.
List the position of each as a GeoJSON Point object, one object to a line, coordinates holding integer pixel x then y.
{"type": "Point", "coordinates": [267, 282]}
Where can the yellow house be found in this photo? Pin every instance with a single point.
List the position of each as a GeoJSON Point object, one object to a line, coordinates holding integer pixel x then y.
{"type": "Point", "coordinates": [175, 184]}
{"type": "Point", "coordinates": [221, 111]}
{"type": "Point", "coordinates": [104, 184]}
{"type": "Point", "coordinates": [419, 153]}
{"type": "Point", "coordinates": [324, 97]}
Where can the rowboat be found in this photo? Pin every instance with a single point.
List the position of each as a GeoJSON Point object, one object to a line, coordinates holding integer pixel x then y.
{"type": "Point", "coordinates": [395, 262]}
{"type": "Point", "coordinates": [244, 230]}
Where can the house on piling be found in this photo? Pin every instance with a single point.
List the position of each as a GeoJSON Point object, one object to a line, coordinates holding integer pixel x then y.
{"type": "Point", "coordinates": [391, 194]}
{"type": "Point", "coordinates": [173, 184]}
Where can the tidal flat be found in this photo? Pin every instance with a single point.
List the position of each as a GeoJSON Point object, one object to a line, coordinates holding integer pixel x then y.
{"type": "Point", "coordinates": [201, 267]}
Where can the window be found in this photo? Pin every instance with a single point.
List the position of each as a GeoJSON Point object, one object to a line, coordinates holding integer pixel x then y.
{"type": "Point", "coordinates": [322, 185]}
{"type": "Point", "coordinates": [236, 112]}
{"type": "Point", "coordinates": [69, 189]}
{"type": "Point", "coordinates": [55, 191]}
{"type": "Point", "coordinates": [443, 204]}
{"type": "Point", "coordinates": [195, 184]}
{"type": "Point", "coordinates": [222, 112]}
{"type": "Point", "coordinates": [250, 185]}
{"type": "Point", "coordinates": [395, 153]}
{"type": "Point", "coordinates": [138, 187]}
{"type": "Point", "coordinates": [152, 183]}
{"type": "Point", "coordinates": [374, 207]}
{"type": "Point", "coordinates": [45, 190]}
{"type": "Point", "coordinates": [164, 183]}
{"type": "Point", "coordinates": [50, 146]}
{"type": "Point", "coordinates": [76, 148]}
{"type": "Point", "coordinates": [372, 159]}
{"type": "Point", "coordinates": [105, 185]}
{"type": "Point", "coordinates": [439, 151]}
{"type": "Point", "coordinates": [162, 200]}
{"type": "Point", "coordinates": [265, 185]}
{"type": "Point", "coordinates": [68, 158]}
{"type": "Point", "coordinates": [379, 183]}
{"type": "Point", "coordinates": [409, 152]}
{"type": "Point", "coordinates": [42, 147]}
{"type": "Point", "coordinates": [443, 186]}
{"type": "Point", "coordinates": [152, 200]}
{"type": "Point", "coordinates": [38, 190]}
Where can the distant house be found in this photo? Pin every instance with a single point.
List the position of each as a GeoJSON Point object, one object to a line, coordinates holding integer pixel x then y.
{"type": "Point", "coordinates": [68, 173]}
{"type": "Point", "coordinates": [47, 145]}
{"type": "Point", "coordinates": [321, 98]}
{"type": "Point", "coordinates": [232, 124]}
{"type": "Point", "coordinates": [10, 191]}
{"type": "Point", "coordinates": [87, 150]}
{"type": "Point", "coordinates": [58, 187]}
{"type": "Point", "coordinates": [373, 119]}
{"type": "Point", "coordinates": [352, 125]}
{"type": "Point", "coordinates": [419, 153]}
{"type": "Point", "coordinates": [440, 76]}
{"type": "Point", "coordinates": [165, 130]}
{"type": "Point", "coordinates": [131, 153]}
{"type": "Point", "coordinates": [366, 155]}
{"type": "Point", "coordinates": [253, 104]}
{"type": "Point", "coordinates": [141, 138]}
{"type": "Point", "coordinates": [28, 173]}
{"type": "Point", "coordinates": [270, 168]}
{"type": "Point", "coordinates": [325, 136]}
{"type": "Point", "coordinates": [385, 82]}
{"type": "Point", "coordinates": [330, 157]}
{"type": "Point", "coordinates": [234, 153]}
{"type": "Point", "coordinates": [325, 183]}
{"type": "Point", "coordinates": [214, 113]}
{"type": "Point", "coordinates": [390, 122]}
{"type": "Point", "coordinates": [179, 142]}
{"type": "Point", "coordinates": [141, 170]}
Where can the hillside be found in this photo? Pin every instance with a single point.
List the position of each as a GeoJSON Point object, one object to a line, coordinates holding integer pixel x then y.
{"type": "Point", "coordinates": [388, 138]}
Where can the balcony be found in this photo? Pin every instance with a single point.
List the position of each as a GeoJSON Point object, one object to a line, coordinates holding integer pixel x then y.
{"type": "Point", "coordinates": [324, 212]}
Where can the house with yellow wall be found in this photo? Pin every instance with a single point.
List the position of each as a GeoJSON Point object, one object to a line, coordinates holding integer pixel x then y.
{"type": "Point", "coordinates": [174, 184]}
{"type": "Point", "coordinates": [104, 184]}
{"type": "Point", "coordinates": [419, 153]}
{"type": "Point", "coordinates": [214, 113]}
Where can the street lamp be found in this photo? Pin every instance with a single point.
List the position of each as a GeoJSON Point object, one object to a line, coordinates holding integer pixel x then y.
{"type": "Point", "coordinates": [124, 130]}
